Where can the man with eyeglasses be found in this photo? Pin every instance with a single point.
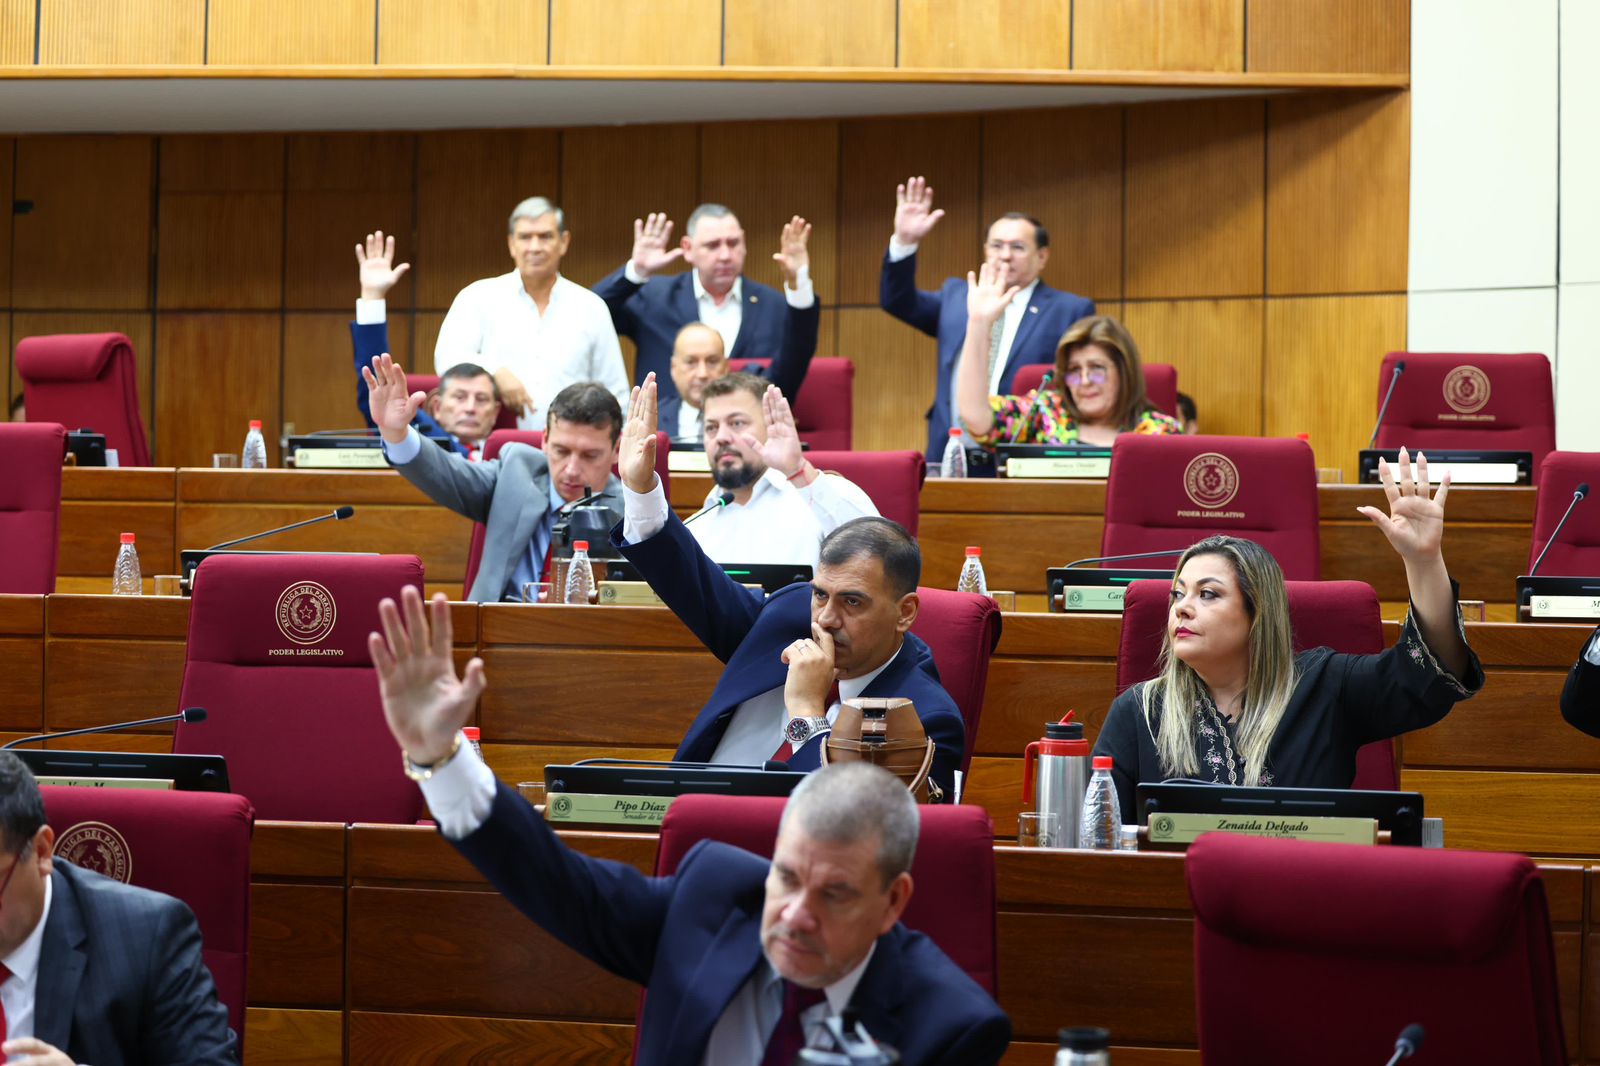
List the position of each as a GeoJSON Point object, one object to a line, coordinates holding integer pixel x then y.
{"type": "Point", "coordinates": [1018, 246]}
{"type": "Point", "coordinates": [91, 969]}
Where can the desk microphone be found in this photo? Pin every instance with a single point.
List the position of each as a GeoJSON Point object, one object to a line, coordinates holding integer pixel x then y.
{"type": "Point", "coordinates": [189, 714]}
{"type": "Point", "coordinates": [1577, 494]}
{"type": "Point", "coordinates": [1124, 558]}
{"type": "Point", "coordinates": [715, 505]}
{"type": "Point", "coordinates": [1399, 368]}
{"type": "Point", "coordinates": [586, 498]}
{"type": "Point", "coordinates": [1410, 1040]}
{"type": "Point", "coordinates": [337, 516]}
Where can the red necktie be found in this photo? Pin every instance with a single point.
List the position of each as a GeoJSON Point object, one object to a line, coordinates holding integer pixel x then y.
{"type": "Point", "coordinates": [789, 1037]}
{"type": "Point", "coordinates": [785, 750]}
{"type": "Point", "coordinates": [5, 1024]}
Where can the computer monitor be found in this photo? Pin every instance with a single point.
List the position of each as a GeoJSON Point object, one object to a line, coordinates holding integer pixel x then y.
{"type": "Point", "coordinates": [1398, 812]}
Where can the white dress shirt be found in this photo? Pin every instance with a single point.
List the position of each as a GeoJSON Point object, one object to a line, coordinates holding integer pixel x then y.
{"type": "Point", "coordinates": [691, 423]}
{"type": "Point", "coordinates": [726, 317]}
{"type": "Point", "coordinates": [496, 324]}
{"type": "Point", "coordinates": [18, 993]}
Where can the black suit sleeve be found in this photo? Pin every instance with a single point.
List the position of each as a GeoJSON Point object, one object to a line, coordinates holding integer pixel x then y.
{"type": "Point", "coordinates": [1580, 699]}
{"type": "Point", "coordinates": [185, 1023]}
{"type": "Point", "coordinates": [617, 291]}
{"type": "Point", "coordinates": [800, 328]}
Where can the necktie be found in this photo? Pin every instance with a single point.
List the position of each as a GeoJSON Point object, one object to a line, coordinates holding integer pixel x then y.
{"type": "Point", "coordinates": [5, 1024]}
{"type": "Point", "coordinates": [785, 750]}
{"type": "Point", "coordinates": [994, 346]}
{"type": "Point", "coordinates": [789, 1037]}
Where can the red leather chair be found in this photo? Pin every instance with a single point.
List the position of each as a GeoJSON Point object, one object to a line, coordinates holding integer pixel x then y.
{"type": "Point", "coordinates": [535, 438]}
{"type": "Point", "coordinates": [506, 419]}
{"type": "Point", "coordinates": [1342, 615]}
{"type": "Point", "coordinates": [277, 653]}
{"type": "Point", "coordinates": [962, 630]}
{"type": "Point", "coordinates": [1337, 947]}
{"type": "Point", "coordinates": [1170, 491]}
{"type": "Point", "coordinates": [823, 412]}
{"type": "Point", "coordinates": [191, 845]}
{"type": "Point", "coordinates": [1160, 383]}
{"type": "Point", "coordinates": [1576, 553]}
{"type": "Point", "coordinates": [893, 480]}
{"type": "Point", "coordinates": [86, 381]}
{"type": "Point", "coordinates": [954, 898]}
{"type": "Point", "coordinates": [1483, 401]}
{"type": "Point", "coordinates": [30, 506]}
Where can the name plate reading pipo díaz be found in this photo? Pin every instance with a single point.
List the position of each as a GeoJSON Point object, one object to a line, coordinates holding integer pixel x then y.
{"type": "Point", "coordinates": [1183, 828]}
{"type": "Point", "coordinates": [109, 782]}
{"type": "Point", "coordinates": [1565, 606]}
{"type": "Point", "coordinates": [340, 459]}
{"type": "Point", "coordinates": [1107, 598]}
{"type": "Point", "coordinates": [630, 812]}
{"type": "Point", "coordinates": [1057, 466]}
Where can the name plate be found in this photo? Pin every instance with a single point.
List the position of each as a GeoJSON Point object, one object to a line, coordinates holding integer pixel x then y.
{"type": "Point", "coordinates": [1585, 607]}
{"type": "Point", "coordinates": [340, 459]}
{"type": "Point", "coordinates": [588, 808]}
{"type": "Point", "coordinates": [1473, 473]}
{"type": "Point", "coordinates": [687, 462]}
{"type": "Point", "coordinates": [1057, 466]}
{"type": "Point", "coordinates": [1104, 598]}
{"type": "Point", "coordinates": [109, 782]}
{"type": "Point", "coordinates": [1183, 828]}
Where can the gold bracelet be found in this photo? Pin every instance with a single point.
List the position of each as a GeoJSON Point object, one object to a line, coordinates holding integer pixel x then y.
{"type": "Point", "coordinates": [422, 772]}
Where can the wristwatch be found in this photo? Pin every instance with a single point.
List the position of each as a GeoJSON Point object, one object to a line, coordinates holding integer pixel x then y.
{"type": "Point", "coordinates": [422, 772]}
{"type": "Point", "coordinates": [800, 730]}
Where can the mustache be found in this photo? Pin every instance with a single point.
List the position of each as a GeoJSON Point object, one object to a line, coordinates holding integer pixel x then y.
{"type": "Point", "coordinates": [782, 931]}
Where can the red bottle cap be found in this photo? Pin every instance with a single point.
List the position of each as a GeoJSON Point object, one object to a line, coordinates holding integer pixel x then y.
{"type": "Point", "coordinates": [1303, 436]}
{"type": "Point", "coordinates": [955, 431]}
{"type": "Point", "coordinates": [580, 545]}
{"type": "Point", "coordinates": [471, 732]}
{"type": "Point", "coordinates": [1102, 762]}
{"type": "Point", "coordinates": [127, 538]}
{"type": "Point", "coordinates": [973, 551]}
{"type": "Point", "coordinates": [255, 423]}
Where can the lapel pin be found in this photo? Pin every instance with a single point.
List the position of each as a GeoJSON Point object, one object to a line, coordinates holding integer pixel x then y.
{"type": "Point", "coordinates": [1033, 310]}
{"type": "Point", "coordinates": [754, 298]}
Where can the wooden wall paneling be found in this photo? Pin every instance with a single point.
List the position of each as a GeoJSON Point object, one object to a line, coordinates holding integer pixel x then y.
{"type": "Point", "coordinates": [291, 32]}
{"type": "Point", "coordinates": [636, 33]}
{"type": "Point", "coordinates": [974, 34]}
{"type": "Point", "coordinates": [1194, 208]}
{"type": "Point", "coordinates": [1216, 346]}
{"type": "Point", "coordinates": [478, 33]}
{"type": "Point", "coordinates": [1064, 167]}
{"type": "Point", "coordinates": [1158, 35]}
{"type": "Point", "coordinates": [388, 1037]}
{"type": "Point", "coordinates": [133, 324]}
{"type": "Point", "coordinates": [220, 232]}
{"type": "Point", "coordinates": [1329, 36]}
{"type": "Point", "coordinates": [768, 172]}
{"type": "Point", "coordinates": [215, 374]}
{"type": "Point", "coordinates": [319, 376]}
{"type": "Point", "coordinates": [8, 148]}
{"type": "Point", "coordinates": [425, 335]}
{"type": "Point", "coordinates": [153, 32]}
{"type": "Point", "coordinates": [896, 367]}
{"type": "Point", "coordinates": [17, 19]}
{"type": "Point", "coordinates": [343, 186]}
{"type": "Point", "coordinates": [78, 214]}
{"type": "Point", "coordinates": [97, 504]}
{"type": "Point", "coordinates": [611, 175]}
{"type": "Point", "coordinates": [293, 1037]}
{"type": "Point", "coordinates": [468, 182]}
{"type": "Point", "coordinates": [1338, 193]}
{"type": "Point", "coordinates": [13, 384]}
{"type": "Point", "coordinates": [1318, 370]}
{"type": "Point", "coordinates": [809, 33]}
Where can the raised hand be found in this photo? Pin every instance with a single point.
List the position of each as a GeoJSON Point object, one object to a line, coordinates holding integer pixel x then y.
{"type": "Point", "coordinates": [987, 294]}
{"type": "Point", "coordinates": [1415, 523]}
{"type": "Point", "coordinates": [650, 251]}
{"type": "Point", "coordinates": [781, 450]}
{"type": "Point", "coordinates": [810, 663]}
{"type": "Point", "coordinates": [636, 451]}
{"type": "Point", "coordinates": [423, 701]}
{"type": "Point", "coordinates": [513, 393]}
{"type": "Point", "coordinates": [391, 406]}
{"type": "Point", "coordinates": [378, 272]}
{"type": "Point", "coordinates": [792, 253]}
{"type": "Point", "coordinates": [914, 216]}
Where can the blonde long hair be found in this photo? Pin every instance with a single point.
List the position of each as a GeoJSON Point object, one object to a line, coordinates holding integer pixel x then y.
{"type": "Point", "coordinates": [1169, 699]}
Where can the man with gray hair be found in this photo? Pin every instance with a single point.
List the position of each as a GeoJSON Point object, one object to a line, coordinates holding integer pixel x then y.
{"type": "Point", "coordinates": [534, 330]}
{"type": "Point", "coordinates": [754, 321]}
{"type": "Point", "coordinates": [744, 958]}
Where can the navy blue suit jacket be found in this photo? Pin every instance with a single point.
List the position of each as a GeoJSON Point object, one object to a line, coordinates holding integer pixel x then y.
{"type": "Point", "coordinates": [693, 939]}
{"type": "Point", "coordinates": [653, 313]}
{"type": "Point", "coordinates": [749, 632]}
{"type": "Point", "coordinates": [371, 339]}
{"type": "Point", "coordinates": [943, 314]}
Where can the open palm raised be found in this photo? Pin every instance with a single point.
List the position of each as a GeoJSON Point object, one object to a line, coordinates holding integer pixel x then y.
{"type": "Point", "coordinates": [1415, 523]}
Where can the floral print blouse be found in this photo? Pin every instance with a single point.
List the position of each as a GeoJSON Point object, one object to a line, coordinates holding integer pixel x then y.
{"type": "Point", "coordinates": [1041, 417]}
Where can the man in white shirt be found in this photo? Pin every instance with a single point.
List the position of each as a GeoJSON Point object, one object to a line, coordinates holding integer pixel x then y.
{"type": "Point", "coordinates": [534, 330]}
{"type": "Point", "coordinates": [698, 358]}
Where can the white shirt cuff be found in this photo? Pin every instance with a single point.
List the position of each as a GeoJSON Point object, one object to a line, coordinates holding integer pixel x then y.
{"type": "Point", "coordinates": [407, 450]}
{"type": "Point", "coordinates": [631, 274]}
{"type": "Point", "coordinates": [460, 795]}
{"type": "Point", "coordinates": [803, 295]}
{"type": "Point", "coordinates": [644, 514]}
{"type": "Point", "coordinates": [371, 312]}
{"type": "Point", "coordinates": [898, 251]}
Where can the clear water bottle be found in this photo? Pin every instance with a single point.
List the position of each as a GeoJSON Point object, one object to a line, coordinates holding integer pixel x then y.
{"type": "Point", "coordinates": [1100, 828]}
{"type": "Point", "coordinates": [580, 575]}
{"type": "Point", "coordinates": [125, 579]}
{"type": "Point", "coordinates": [972, 579]}
{"type": "Point", "coordinates": [255, 448]}
{"type": "Point", "coordinates": [473, 735]}
{"type": "Point", "coordinates": [954, 463]}
{"type": "Point", "coordinates": [1084, 1046]}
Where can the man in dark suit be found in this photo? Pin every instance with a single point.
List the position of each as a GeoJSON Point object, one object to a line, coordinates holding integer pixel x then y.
{"type": "Point", "coordinates": [851, 626]}
{"type": "Point", "coordinates": [1018, 246]}
{"type": "Point", "coordinates": [1580, 699]}
{"type": "Point", "coordinates": [755, 321]}
{"type": "Point", "coordinates": [95, 971]}
{"type": "Point", "coordinates": [744, 959]}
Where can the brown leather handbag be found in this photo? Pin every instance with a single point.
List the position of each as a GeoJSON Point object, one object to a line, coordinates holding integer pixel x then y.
{"type": "Point", "coordinates": [886, 733]}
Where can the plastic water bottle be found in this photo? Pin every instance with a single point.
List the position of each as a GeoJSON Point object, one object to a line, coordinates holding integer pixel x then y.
{"type": "Point", "coordinates": [1101, 826]}
{"type": "Point", "coordinates": [954, 463]}
{"type": "Point", "coordinates": [125, 580]}
{"type": "Point", "coordinates": [1084, 1046]}
{"type": "Point", "coordinates": [580, 576]}
{"type": "Point", "coordinates": [972, 579]}
{"type": "Point", "coordinates": [473, 734]}
{"type": "Point", "coordinates": [255, 448]}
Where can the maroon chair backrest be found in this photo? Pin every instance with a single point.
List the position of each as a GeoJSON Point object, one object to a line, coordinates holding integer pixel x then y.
{"type": "Point", "coordinates": [1170, 491]}
{"type": "Point", "coordinates": [824, 410]}
{"type": "Point", "coordinates": [506, 419]}
{"type": "Point", "coordinates": [953, 900]}
{"type": "Point", "coordinates": [1491, 402]}
{"type": "Point", "coordinates": [1456, 941]}
{"type": "Point", "coordinates": [962, 630]}
{"type": "Point", "coordinates": [191, 845]}
{"type": "Point", "coordinates": [1342, 615]}
{"type": "Point", "coordinates": [30, 506]}
{"type": "Point", "coordinates": [1160, 384]}
{"type": "Point", "coordinates": [277, 654]}
{"type": "Point", "coordinates": [893, 479]}
{"type": "Point", "coordinates": [535, 438]}
{"type": "Point", "coordinates": [1576, 553]}
{"type": "Point", "coordinates": [86, 381]}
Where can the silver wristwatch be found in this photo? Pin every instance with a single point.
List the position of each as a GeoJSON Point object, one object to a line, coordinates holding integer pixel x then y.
{"type": "Point", "coordinates": [800, 730]}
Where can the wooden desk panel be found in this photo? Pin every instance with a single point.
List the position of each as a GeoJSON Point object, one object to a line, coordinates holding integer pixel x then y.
{"type": "Point", "coordinates": [22, 663]}
{"type": "Point", "coordinates": [97, 504]}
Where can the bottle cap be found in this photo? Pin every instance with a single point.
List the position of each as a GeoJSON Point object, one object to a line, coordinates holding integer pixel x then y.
{"type": "Point", "coordinates": [471, 732]}
{"type": "Point", "coordinates": [955, 431]}
{"type": "Point", "coordinates": [127, 538]}
{"type": "Point", "coordinates": [1085, 1038]}
{"type": "Point", "coordinates": [255, 423]}
{"type": "Point", "coordinates": [580, 545]}
{"type": "Point", "coordinates": [1303, 436]}
{"type": "Point", "coordinates": [1102, 762]}
{"type": "Point", "coordinates": [973, 551]}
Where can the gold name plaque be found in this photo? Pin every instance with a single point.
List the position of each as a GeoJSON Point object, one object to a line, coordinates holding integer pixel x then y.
{"type": "Point", "coordinates": [1054, 466]}
{"type": "Point", "coordinates": [1183, 828]}
{"type": "Point", "coordinates": [624, 812]}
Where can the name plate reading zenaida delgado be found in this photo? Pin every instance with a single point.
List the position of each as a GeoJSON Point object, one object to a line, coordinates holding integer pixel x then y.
{"type": "Point", "coordinates": [1184, 828]}
{"type": "Point", "coordinates": [622, 812]}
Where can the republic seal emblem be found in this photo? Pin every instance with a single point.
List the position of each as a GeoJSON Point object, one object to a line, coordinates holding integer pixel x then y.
{"type": "Point", "coordinates": [306, 613]}
{"type": "Point", "coordinates": [98, 847]}
{"type": "Point", "coordinates": [1466, 389]}
{"type": "Point", "coordinates": [1211, 480]}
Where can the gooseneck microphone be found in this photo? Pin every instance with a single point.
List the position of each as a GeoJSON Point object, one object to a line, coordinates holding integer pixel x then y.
{"type": "Point", "coordinates": [1577, 495]}
{"type": "Point", "coordinates": [337, 516]}
{"type": "Point", "coordinates": [1399, 368]}
{"type": "Point", "coordinates": [586, 498]}
{"type": "Point", "coordinates": [188, 714]}
{"type": "Point", "coordinates": [1124, 558]}
{"type": "Point", "coordinates": [1410, 1040]}
{"type": "Point", "coordinates": [715, 505]}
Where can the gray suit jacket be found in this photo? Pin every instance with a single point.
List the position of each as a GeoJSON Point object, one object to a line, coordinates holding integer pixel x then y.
{"type": "Point", "coordinates": [121, 979]}
{"type": "Point", "coordinates": [509, 494]}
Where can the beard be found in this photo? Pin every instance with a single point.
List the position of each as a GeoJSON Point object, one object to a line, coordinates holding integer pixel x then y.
{"type": "Point", "coordinates": [735, 476]}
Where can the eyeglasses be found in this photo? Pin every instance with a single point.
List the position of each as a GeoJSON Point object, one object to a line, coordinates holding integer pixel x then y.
{"type": "Point", "coordinates": [1095, 375]}
{"type": "Point", "coordinates": [1015, 247]}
